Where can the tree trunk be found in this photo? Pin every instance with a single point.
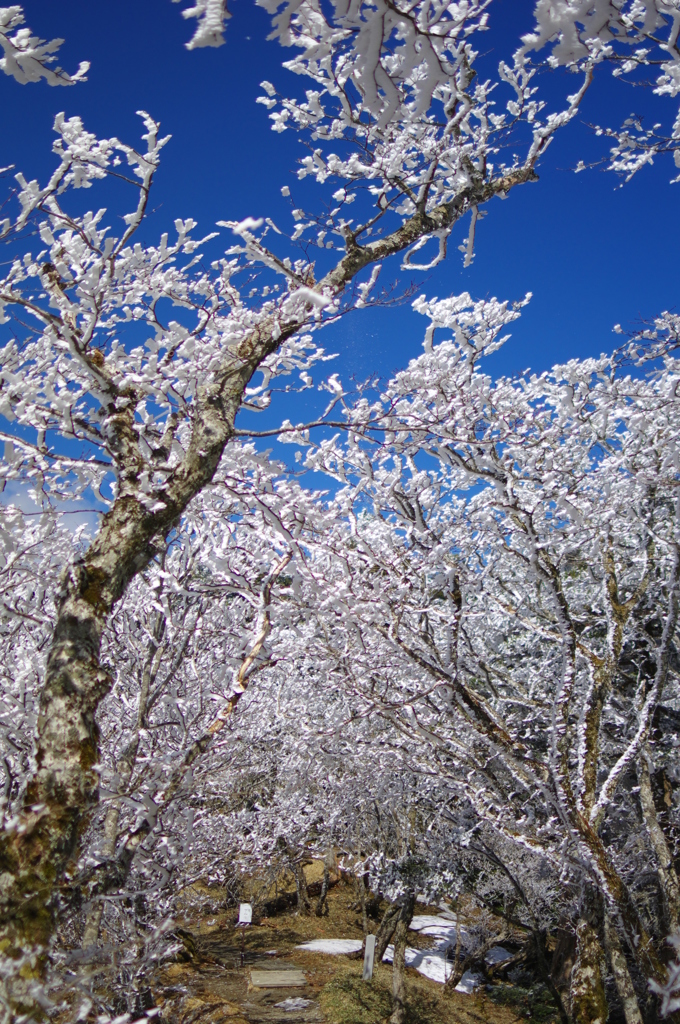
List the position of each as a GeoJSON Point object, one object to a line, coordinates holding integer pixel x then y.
{"type": "Point", "coordinates": [303, 904]}
{"type": "Point", "coordinates": [60, 795]}
{"type": "Point", "coordinates": [619, 969]}
{"type": "Point", "coordinates": [324, 889]}
{"type": "Point", "coordinates": [386, 931]}
{"type": "Point", "coordinates": [456, 972]}
{"type": "Point", "coordinates": [616, 892]}
{"type": "Point", "coordinates": [399, 961]}
{"type": "Point", "coordinates": [563, 958]}
{"type": "Point", "coordinates": [126, 767]}
{"type": "Point", "coordinates": [361, 886]}
{"type": "Point", "coordinates": [669, 886]}
{"type": "Point", "coordinates": [588, 999]}
{"type": "Point", "coordinates": [64, 786]}
{"type": "Point", "coordinates": [94, 914]}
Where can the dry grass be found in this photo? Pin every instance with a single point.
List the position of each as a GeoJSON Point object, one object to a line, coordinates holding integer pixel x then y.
{"type": "Point", "coordinates": [346, 999]}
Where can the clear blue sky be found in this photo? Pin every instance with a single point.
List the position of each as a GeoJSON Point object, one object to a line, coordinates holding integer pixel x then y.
{"type": "Point", "coordinates": [592, 253]}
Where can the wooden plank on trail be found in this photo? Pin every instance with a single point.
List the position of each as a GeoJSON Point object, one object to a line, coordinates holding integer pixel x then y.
{"type": "Point", "coordinates": [277, 979]}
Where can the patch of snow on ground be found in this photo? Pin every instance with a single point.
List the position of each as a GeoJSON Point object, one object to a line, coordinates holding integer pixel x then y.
{"type": "Point", "coordinates": [420, 921]}
{"type": "Point", "coordinates": [294, 1004]}
{"type": "Point", "coordinates": [497, 955]}
{"type": "Point", "coordinates": [439, 927]}
{"type": "Point", "coordinates": [333, 946]}
{"type": "Point", "coordinates": [430, 962]}
{"type": "Point", "coordinates": [468, 983]}
{"type": "Point", "coordinates": [433, 964]}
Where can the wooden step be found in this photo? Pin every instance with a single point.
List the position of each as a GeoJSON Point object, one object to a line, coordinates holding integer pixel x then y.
{"type": "Point", "coordinates": [277, 979]}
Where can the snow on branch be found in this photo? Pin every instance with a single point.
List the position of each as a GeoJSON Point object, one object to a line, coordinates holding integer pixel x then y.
{"type": "Point", "coordinates": [28, 58]}
{"type": "Point", "coordinates": [633, 35]}
{"type": "Point", "coordinates": [386, 46]}
{"type": "Point", "coordinates": [211, 16]}
{"type": "Point", "coordinates": [395, 83]}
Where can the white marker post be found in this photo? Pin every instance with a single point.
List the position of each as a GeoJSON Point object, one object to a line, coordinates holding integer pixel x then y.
{"type": "Point", "coordinates": [245, 917]}
{"type": "Point", "coordinates": [369, 955]}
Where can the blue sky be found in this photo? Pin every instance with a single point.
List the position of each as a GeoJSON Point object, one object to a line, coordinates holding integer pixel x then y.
{"type": "Point", "coordinates": [593, 253]}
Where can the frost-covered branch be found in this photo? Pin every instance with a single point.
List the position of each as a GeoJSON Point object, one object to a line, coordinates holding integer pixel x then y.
{"type": "Point", "coordinates": [28, 58]}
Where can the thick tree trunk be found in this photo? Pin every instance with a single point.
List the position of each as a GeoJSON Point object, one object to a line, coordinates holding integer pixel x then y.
{"type": "Point", "coordinates": [638, 940]}
{"type": "Point", "coordinates": [35, 854]}
{"type": "Point", "coordinates": [64, 786]}
{"type": "Point", "coordinates": [563, 958]}
{"type": "Point", "coordinates": [588, 999]}
{"type": "Point", "coordinates": [399, 961]}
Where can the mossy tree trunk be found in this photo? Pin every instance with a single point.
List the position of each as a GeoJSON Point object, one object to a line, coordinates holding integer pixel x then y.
{"type": "Point", "coordinates": [588, 998]}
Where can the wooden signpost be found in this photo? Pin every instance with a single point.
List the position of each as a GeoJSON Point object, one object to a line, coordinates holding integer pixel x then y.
{"type": "Point", "coordinates": [369, 956]}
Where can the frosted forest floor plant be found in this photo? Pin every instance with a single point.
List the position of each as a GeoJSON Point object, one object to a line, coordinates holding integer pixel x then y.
{"type": "Point", "coordinates": [125, 366]}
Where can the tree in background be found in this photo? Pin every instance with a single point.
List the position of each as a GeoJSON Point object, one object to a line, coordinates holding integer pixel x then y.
{"type": "Point", "coordinates": [503, 587]}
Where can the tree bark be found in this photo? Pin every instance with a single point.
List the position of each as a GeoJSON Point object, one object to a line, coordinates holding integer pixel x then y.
{"type": "Point", "coordinates": [386, 931]}
{"type": "Point", "coordinates": [303, 904]}
{"type": "Point", "coordinates": [588, 999]}
{"type": "Point", "coordinates": [64, 786]}
{"type": "Point", "coordinates": [620, 972]}
{"type": "Point", "coordinates": [404, 919]}
{"type": "Point", "coordinates": [361, 886]}
{"type": "Point", "coordinates": [669, 886]}
{"type": "Point", "coordinates": [128, 761]}
{"type": "Point", "coordinates": [318, 910]}
{"type": "Point", "coordinates": [561, 967]}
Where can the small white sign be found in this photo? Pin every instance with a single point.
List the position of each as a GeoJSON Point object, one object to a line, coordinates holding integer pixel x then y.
{"type": "Point", "coordinates": [245, 913]}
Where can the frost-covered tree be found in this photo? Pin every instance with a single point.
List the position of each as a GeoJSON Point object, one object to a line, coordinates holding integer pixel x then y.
{"type": "Point", "coordinates": [503, 586]}
{"type": "Point", "coordinates": [124, 367]}
{"type": "Point", "coordinates": [113, 394]}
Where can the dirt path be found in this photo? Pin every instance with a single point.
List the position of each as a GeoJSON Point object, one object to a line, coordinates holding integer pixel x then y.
{"type": "Point", "coordinates": [216, 989]}
{"type": "Point", "coordinates": [212, 985]}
